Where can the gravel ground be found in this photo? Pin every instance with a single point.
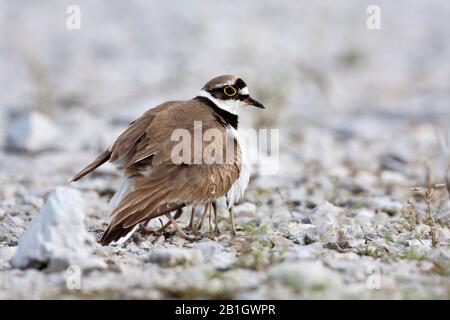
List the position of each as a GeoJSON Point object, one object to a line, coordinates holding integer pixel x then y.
{"type": "Point", "coordinates": [362, 117]}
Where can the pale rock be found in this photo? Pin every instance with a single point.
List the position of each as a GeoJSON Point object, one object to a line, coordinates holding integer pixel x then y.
{"type": "Point", "coordinates": [5, 255]}
{"type": "Point", "coordinates": [9, 202]}
{"type": "Point", "coordinates": [423, 229]}
{"type": "Point", "coordinates": [208, 247]}
{"type": "Point", "coordinates": [356, 243]}
{"type": "Point", "coordinates": [351, 265]}
{"type": "Point", "coordinates": [326, 218]}
{"type": "Point", "coordinates": [392, 162]}
{"type": "Point", "coordinates": [160, 240]}
{"type": "Point", "coordinates": [10, 229]}
{"type": "Point", "coordinates": [426, 243]}
{"type": "Point", "coordinates": [266, 182]}
{"type": "Point", "coordinates": [31, 131]}
{"type": "Point", "coordinates": [14, 221]}
{"type": "Point", "coordinates": [303, 233]}
{"type": "Point", "coordinates": [3, 233]}
{"type": "Point", "coordinates": [364, 217]}
{"type": "Point", "coordinates": [311, 237]}
{"type": "Point", "coordinates": [441, 256]}
{"type": "Point", "coordinates": [443, 235]}
{"type": "Point", "coordinates": [310, 251]}
{"type": "Point", "coordinates": [243, 278]}
{"type": "Point", "coordinates": [33, 200]}
{"type": "Point", "coordinates": [365, 180]}
{"type": "Point", "coordinates": [170, 257]}
{"type": "Point", "coordinates": [392, 178]}
{"type": "Point", "coordinates": [195, 276]}
{"type": "Point", "coordinates": [304, 275]}
{"type": "Point", "coordinates": [246, 209]}
{"type": "Point", "coordinates": [57, 237]}
{"type": "Point", "coordinates": [242, 221]}
{"type": "Point", "coordinates": [386, 204]}
{"type": "Point", "coordinates": [8, 196]}
{"type": "Point", "coordinates": [215, 253]}
{"type": "Point", "coordinates": [280, 215]}
{"type": "Point", "coordinates": [326, 211]}
{"type": "Point", "coordinates": [295, 194]}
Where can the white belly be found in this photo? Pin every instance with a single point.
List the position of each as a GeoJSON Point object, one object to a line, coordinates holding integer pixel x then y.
{"type": "Point", "coordinates": [126, 186]}
{"type": "Point", "coordinates": [238, 188]}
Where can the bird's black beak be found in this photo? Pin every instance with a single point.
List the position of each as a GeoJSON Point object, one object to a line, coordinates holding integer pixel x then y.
{"type": "Point", "coordinates": [252, 102]}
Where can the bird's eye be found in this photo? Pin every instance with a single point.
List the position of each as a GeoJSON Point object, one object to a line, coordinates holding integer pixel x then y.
{"type": "Point", "coordinates": [230, 91]}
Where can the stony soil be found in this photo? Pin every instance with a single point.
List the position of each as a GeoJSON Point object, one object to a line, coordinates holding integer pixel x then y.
{"type": "Point", "coordinates": [362, 116]}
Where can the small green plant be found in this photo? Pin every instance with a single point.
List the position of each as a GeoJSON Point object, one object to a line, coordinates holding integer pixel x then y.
{"type": "Point", "coordinates": [413, 219]}
{"type": "Point", "coordinates": [261, 249]}
{"type": "Point", "coordinates": [414, 254]}
{"type": "Point", "coordinates": [427, 193]}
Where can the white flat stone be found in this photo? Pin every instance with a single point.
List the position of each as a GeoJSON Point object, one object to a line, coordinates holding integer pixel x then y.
{"type": "Point", "coordinates": [57, 237]}
{"type": "Point", "coordinates": [171, 257]}
{"type": "Point", "coordinates": [31, 131]}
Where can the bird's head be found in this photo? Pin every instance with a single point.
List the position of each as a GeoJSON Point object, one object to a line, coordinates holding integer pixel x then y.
{"type": "Point", "coordinates": [229, 93]}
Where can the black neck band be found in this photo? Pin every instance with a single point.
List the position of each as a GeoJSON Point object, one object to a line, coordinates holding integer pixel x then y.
{"type": "Point", "coordinates": [225, 117]}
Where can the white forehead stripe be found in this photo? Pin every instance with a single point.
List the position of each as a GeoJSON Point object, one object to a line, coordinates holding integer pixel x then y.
{"type": "Point", "coordinates": [243, 91]}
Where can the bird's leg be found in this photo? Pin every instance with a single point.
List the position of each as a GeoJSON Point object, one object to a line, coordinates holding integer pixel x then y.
{"type": "Point", "coordinates": [209, 221]}
{"type": "Point", "coordinates": [146, 231]}
{"type": "Point", "coordinates": [216, 218]}
{"type": "Point", "coordinates": [191, 221]}
{"type": "Point", "coordinates": [233, 225]}
{"type": "Point", "coordinates": [177, 214]}
{"type": "Point", "coordinates": [180, 231]}
{"type": "Point", "coordinates": [199, 225]}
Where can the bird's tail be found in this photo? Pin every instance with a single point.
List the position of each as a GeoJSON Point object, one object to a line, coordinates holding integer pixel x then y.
{"type": "Point", "coordinates": [117, 235]}
{"type": "Point", "coordinates": [101, 159]}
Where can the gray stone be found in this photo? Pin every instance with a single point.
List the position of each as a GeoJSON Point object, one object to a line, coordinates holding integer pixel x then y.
{"type": "Point", "coordinates": [57, 237]}
{"type": "Point", "coordinates": [31, 131]}
{"type": "Point", "coordinates": [208, 247]}
{"type": "Point", "coordinates": [170, 257]}
{"type": "Point", "coordinates": [325, 218]}
{"type": "Point", "coordinates": [386, 204]}
{"type": "Point", "coordinates": [304, 252]}
{"type": "Point", "coordinates": [216, 254]}
{"type": "Point", "coordinates": [246, 209]}
{"type": "Point", "coordinates": [426, 243]}
{"type": "Point", "coordinates": [5, 255]}
{"type": "Point", "coordinates": [303, 275]}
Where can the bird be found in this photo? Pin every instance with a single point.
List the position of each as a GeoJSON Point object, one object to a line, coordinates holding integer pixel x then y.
{"type": "Point", "coordinates": [154, 183]}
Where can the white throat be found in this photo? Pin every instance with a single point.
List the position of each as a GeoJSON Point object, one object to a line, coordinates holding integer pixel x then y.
{"type": "Point", "coordinates": [232, 106]}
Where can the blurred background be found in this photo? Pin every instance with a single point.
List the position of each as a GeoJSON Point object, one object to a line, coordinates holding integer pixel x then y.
{"type": "Point", "coordinates": [361, 112]}
{"type": "Point", "coordinates": [310, 61]}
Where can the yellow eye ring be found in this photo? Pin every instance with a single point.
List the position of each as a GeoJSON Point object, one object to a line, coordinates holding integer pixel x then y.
{"type": "Point", "coordinates": [229, 91]}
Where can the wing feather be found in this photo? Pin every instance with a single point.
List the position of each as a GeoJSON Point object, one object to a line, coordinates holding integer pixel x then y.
{"type": "Point", "coordinates": [167, 186]}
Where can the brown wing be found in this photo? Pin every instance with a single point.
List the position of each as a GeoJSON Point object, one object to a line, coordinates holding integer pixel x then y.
{"type": "Point", "coordinates": [150, 136]}
{"type": "Point", "coordinates": [124, 145]}
{"type": "Point", "coordinates": [130, 144]}
{"type": "Point", "coordinates": [147, 142]}
{"type": "Point", "coordinates": [166, 189]}
{"type": "Point", "coordinates": [169, 186]}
